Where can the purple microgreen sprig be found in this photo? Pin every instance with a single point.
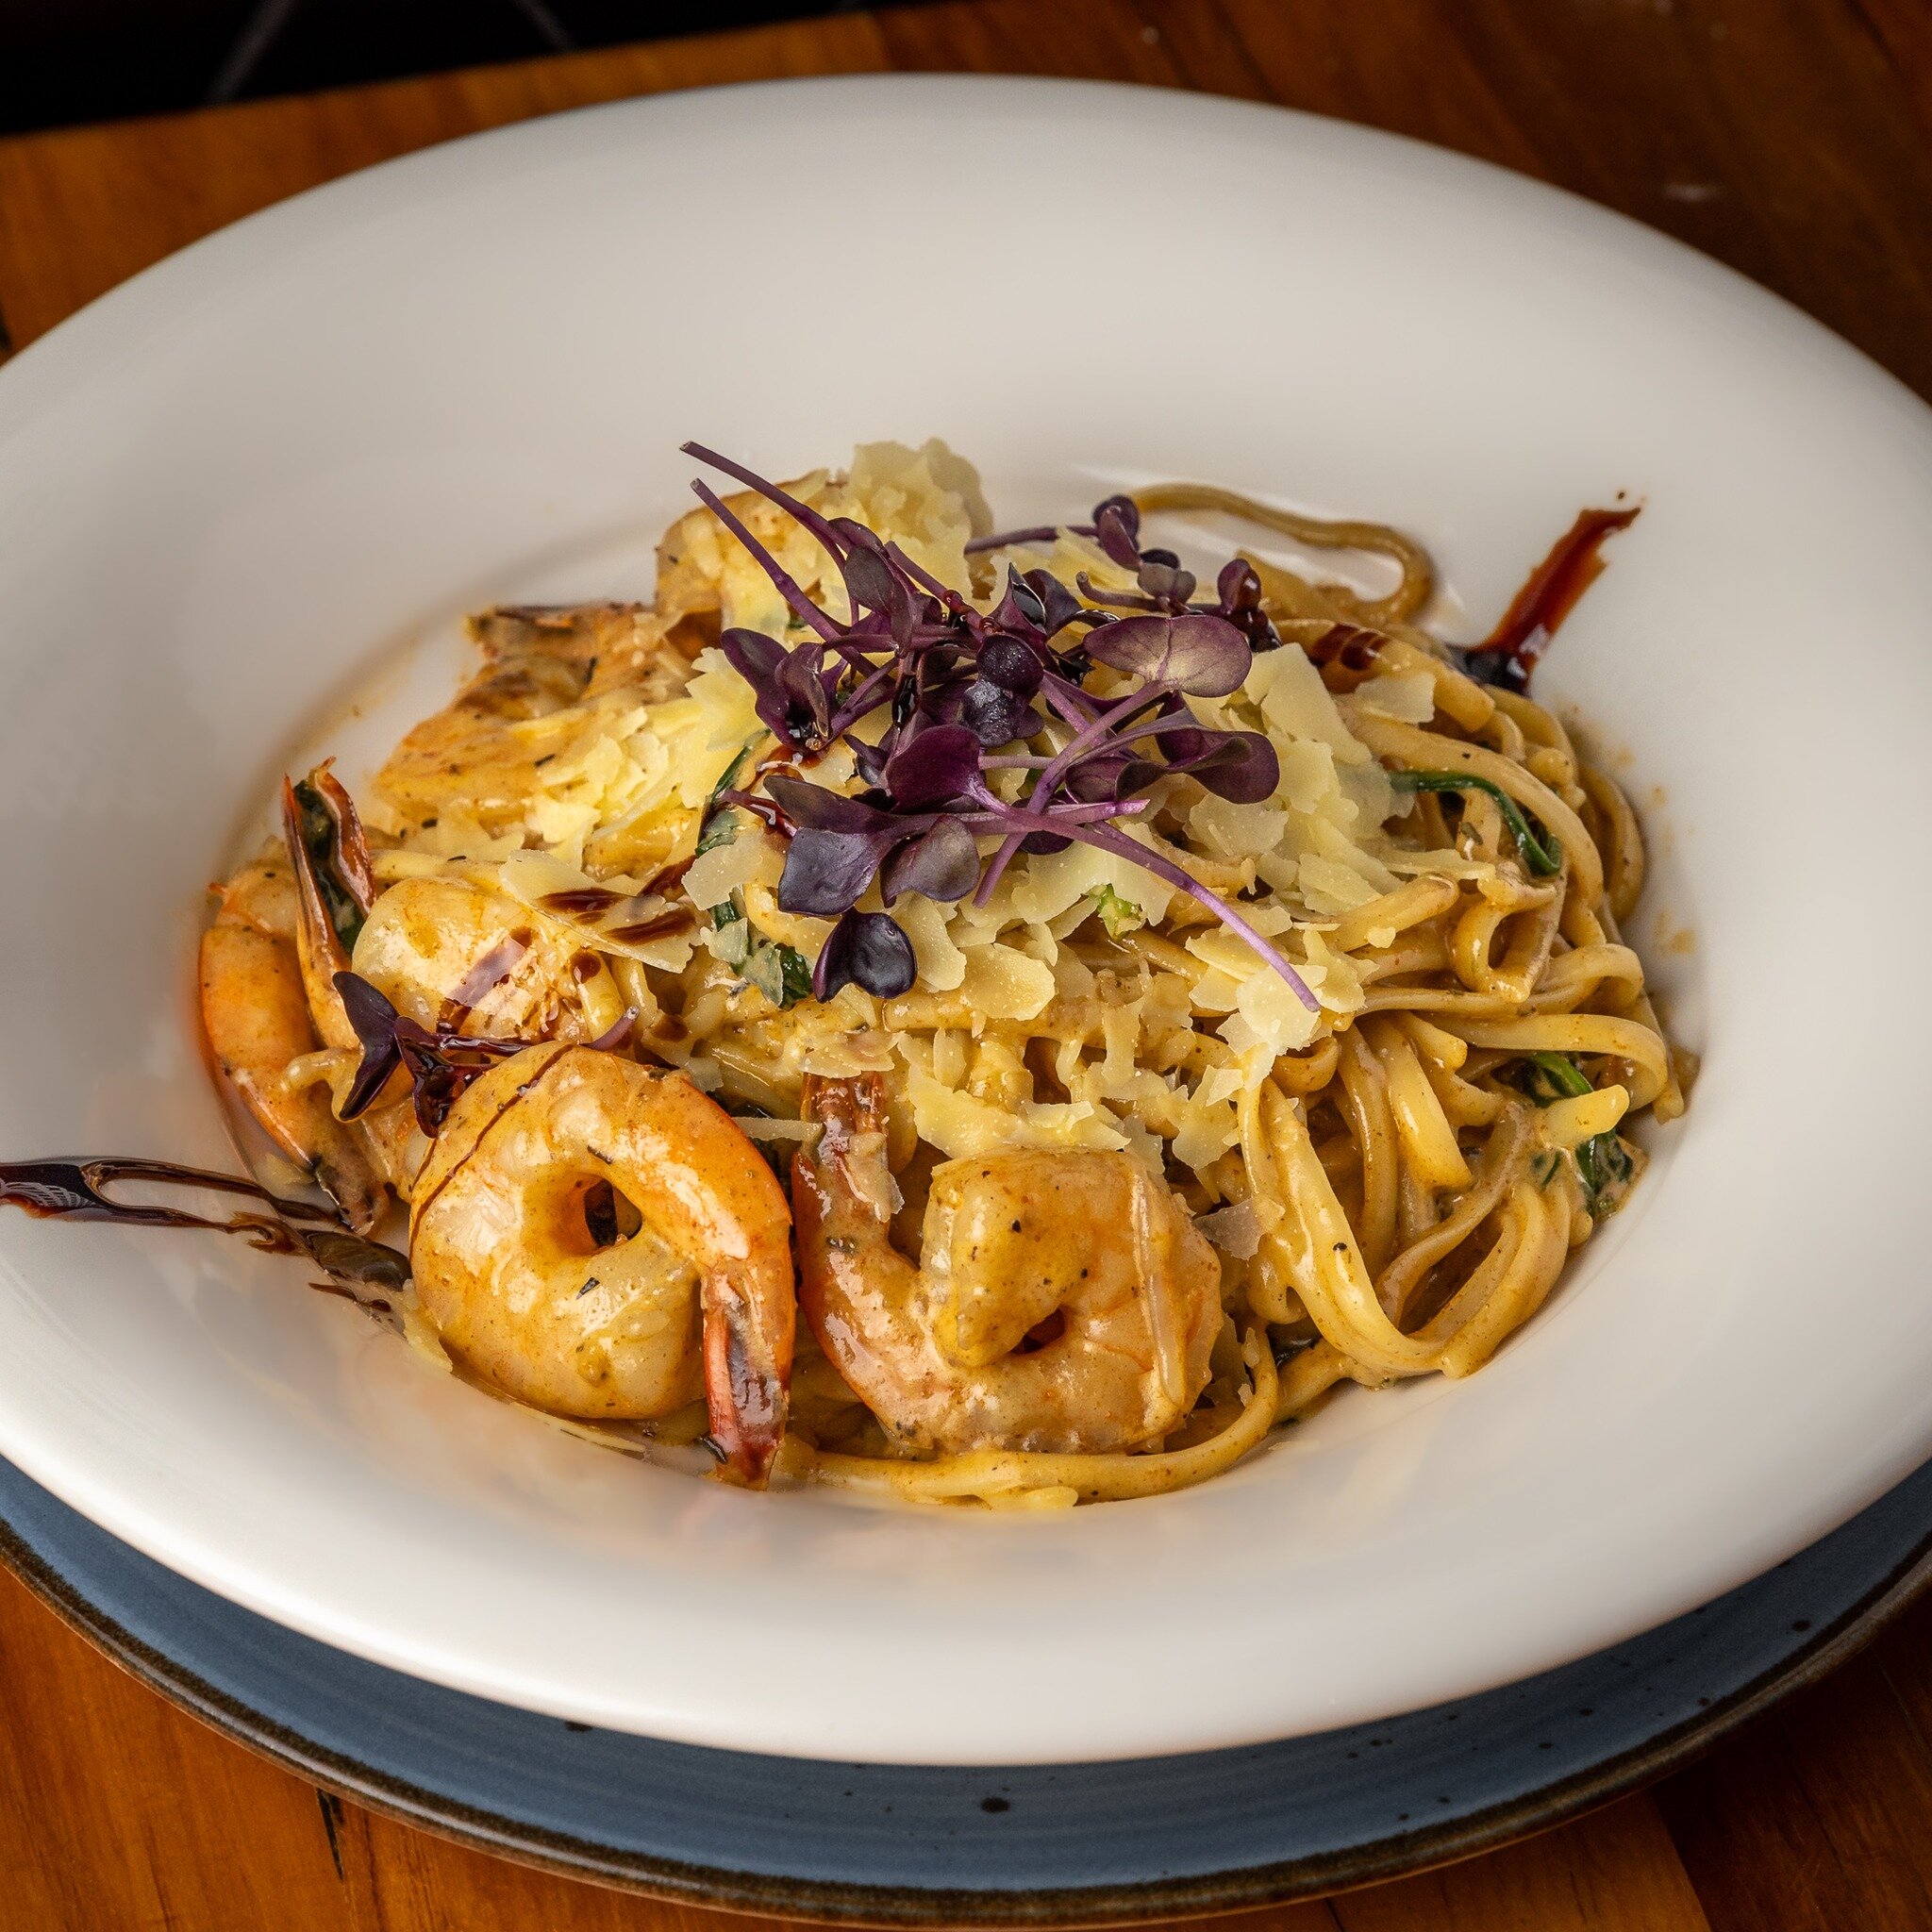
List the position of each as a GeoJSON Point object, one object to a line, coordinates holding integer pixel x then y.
{"type": "Point", "coordinates": [966, 693]}
{"type": "Point", "coordinates": [440, 1064]}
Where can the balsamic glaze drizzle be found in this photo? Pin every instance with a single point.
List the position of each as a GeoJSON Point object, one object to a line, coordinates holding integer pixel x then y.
{"type": "Point", "coordinates": [1509, 654]}
{"type": "Point", "coordinates": [75, 1191]}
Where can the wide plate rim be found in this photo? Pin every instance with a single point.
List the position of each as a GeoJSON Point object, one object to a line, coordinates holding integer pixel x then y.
{"type": "Point", "coordinates": [1880, 1477]}
{"type": "Point", "coordinates": [1376, 1861]}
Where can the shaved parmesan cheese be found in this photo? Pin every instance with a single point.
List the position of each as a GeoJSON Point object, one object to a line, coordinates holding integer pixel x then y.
{"type": "Point", "coordinates": [1205, 1135]}
{"type": "Point", "coordinates": [1221, 1083]}
{"type": "Point", "coordinates": [927, 500]}
{"type": "Point", "coordinates": [1410, 697]}
{"type": "Point", "coordinates": [714, 876]}
{"type": "Point", "coordinates": [1268, 1013]}
{"type": "Point", "coordinates": [848, 1057]}
{"type": "Point", "coordinates": [960, 1127]}
{"type": "Point", "coordinates": [1234, 1229]}
{"type": "Point", "coordinates": [1002, 983]}
{"type": "Point", "coordinates": [1307, 772]}
{"type": "Point", "coordinates": [941, 964]}
{"type": "Point", "coordinates": [1297, 704]}
{"type": "Point", "coordinates": [1326, 886]}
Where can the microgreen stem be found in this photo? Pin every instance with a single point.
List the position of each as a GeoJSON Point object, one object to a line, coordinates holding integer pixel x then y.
{"type": "Point", "coordinates": [1038, 533]}
{"type": "Point", "coordinates": [1068, 699]}
{"type": "Point", "coordinates": [1112, 719]}
{"type": "Point", "coordinates": [863, 699]}
{"type": "Point", "coordinates": [924, 578]}
{"type": "Point", "coordinates": [1106, 840]}
{"type": "Point", "coordinates": [786, 586]}
{"type": "Point", "coordinates": [997, 816]}
{"type": "Point", "coordinates": [803, 512]}
{"type": "Point", "coordinates": [1090, 734]}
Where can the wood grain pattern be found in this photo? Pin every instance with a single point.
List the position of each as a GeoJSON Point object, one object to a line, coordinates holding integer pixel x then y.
{"type": "Point", "coordinates": [1792, 139]}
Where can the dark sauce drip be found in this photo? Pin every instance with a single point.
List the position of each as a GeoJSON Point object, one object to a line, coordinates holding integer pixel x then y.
{"type": "Point", "coordinates": [667, 881]}
{"type": "Point", "coordinates": [580, 901]}
{"type": "Point", "coordinates": [1345, 655]}
{"type": "Point", "coordinates": [1509, 654]}
{"type": "Point", "coordinates": [75, 1191]}
{"type": "Point", "coordinates": [678, 919]}
{"type": "Point", "coordinates": [765, 810]}
{"type": "Point", "coordinates": [489, 972]}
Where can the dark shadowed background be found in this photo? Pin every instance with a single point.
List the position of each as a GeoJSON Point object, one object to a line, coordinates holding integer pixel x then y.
{"type": "Point", "coordinates": [73, 60]}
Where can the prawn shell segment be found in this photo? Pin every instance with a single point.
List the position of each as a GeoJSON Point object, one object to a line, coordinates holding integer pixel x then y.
{"type": "Point", "coordinates": [697, 1298]}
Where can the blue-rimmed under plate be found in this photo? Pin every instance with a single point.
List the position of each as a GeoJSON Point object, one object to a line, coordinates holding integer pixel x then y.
{"type": "Point", "coordinates": [1056, 1844]}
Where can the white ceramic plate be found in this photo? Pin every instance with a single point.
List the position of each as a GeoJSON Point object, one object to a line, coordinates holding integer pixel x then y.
{"type": "Point", "coordinates": [233, 490]}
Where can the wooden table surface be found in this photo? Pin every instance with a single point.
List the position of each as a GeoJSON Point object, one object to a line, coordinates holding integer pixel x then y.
{"type": "Point", "coordinates": [1792, 139]}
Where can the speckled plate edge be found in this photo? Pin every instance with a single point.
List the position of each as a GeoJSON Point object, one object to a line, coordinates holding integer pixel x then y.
{"type": "Point", "coordinates": [1816, 1653]}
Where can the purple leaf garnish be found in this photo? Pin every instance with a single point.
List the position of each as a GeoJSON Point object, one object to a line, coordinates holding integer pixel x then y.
{"type": "Point", "coordinates": [995, 715]}
{"type": "Point", "coordinates": [1161, 577]}
{"type": "Point", "coordinates": [803, 706]}
{"type": "Point", "coordinates": [1197, 653]}
{"type": "Point", "coordinates": [826, 871]}
{"type": "Point", "coordinates": [946, 693]}
{"type": "Point", "coordinates": [1044, 844]}
{"type": "Point", "coordinates": [812, 807]}
{"type": "Point", "coordinates": [942, 864]}
{"type": "Point", "coordinates": [873, 583]}
{"type": "Point", "coordinates": [754, 657]}
{"type": "Point", "coordinates": [837, 847]}
{"type": "Point", "coordinates": [1239, 590]}
{"type": "Point", "coordinates": [867, 949]}
{"type": "Point", "coordinates": [932, 767]}
{"type": "Point", "coordinates": [869, 578]}
{"type": "Point", "coordinates": [1011, 663]}
{"type": "Point", "coordinates": [1241, 766]}
{"type": "Point", "coordinates": [440, 1064]}
{"type": "Point", "coordinates": [1058, 606]}
{"type": "Point", "coordinates": [1117, 528]}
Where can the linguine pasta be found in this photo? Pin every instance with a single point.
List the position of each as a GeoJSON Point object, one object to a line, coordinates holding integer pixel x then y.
{"type": "Point", "coordinates": [1367, 1023]}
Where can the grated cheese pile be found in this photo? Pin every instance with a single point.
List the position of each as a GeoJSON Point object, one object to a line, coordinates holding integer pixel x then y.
{"type": "Point", "coordinates": [616, 791]}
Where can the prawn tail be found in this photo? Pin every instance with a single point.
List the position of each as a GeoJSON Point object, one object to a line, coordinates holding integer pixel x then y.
{"type": "Point", "coordinates": [318, 942]}
{"type": "Point", "coordinates": [345, 1173]}
{"type": "Point", "coordinates": [747, 1383]}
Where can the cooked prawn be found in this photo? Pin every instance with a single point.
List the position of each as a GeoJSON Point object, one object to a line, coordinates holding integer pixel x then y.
{"type": "Point", "coordinates": [599, 1240]}
{"type": "Point", "coordinates": [448, 952]}
{"type": "Point", "coordinates": [537, 662]}
{"type": "Point", "coordinates": [256, 1018]}
{"type": "Point", "coordinates": [1064, 1301]}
